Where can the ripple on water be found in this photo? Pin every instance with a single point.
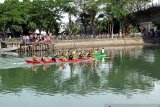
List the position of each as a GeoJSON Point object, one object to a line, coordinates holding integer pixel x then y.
{"type": "Point", "coordinates": [6, 63]}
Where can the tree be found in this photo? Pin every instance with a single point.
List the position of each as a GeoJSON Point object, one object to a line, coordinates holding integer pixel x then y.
{"type": "Point", "coordinates": [119, 9]}
{"type": "Point", "coordinates": [27, 16]}
{"type": "Point", "coordinates": [87, 10]}
{"type": "Point", "coordinates": [120, 13]}
{"type": "Point", "coordinates": [70, 8]}
{"type": "Point", "coordinates": [101, 26]}
{"type": "Point", "coordinates": [10, 17]}
{"type": "Point", "coordinates": [136, 5]}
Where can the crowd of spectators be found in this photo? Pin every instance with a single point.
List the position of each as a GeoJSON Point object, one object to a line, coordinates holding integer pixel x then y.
{"type": "Point", "coordinates": [36, 38]}
{"type": "Point", "coordinates": [99, 36]}
{"type": "Point", "coordinates": [151, 34]}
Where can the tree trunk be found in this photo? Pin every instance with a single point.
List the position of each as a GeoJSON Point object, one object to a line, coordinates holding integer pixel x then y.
{"type": "Point", "coordinates": [85, 28]}
{"type": "Point", "coordinates": [108, 28]}
{"type": "Point", "coordinates": [138, 25]}
{"type": "Point", "coordinates": [120, 29]}
{"type": "Point", "coordinates": [70, 21]}
{"type": "Point", "coordinates": [93, 27]}
{"type": "Point", "coordinates": [3, 30]}
{"type": "Point", "coordinates": [112, 28]}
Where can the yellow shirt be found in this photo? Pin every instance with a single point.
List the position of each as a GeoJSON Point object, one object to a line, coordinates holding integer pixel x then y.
{"type": "Point", "coordinates": [95, 52]}
{"type": "Point", "coordinates": [74, 52]}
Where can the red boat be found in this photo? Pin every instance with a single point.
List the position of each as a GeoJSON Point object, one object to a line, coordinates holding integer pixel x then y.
{"type": "Point", "coordinates": [38, 61]}
{"type": "Point", "coordinates": [57, 60]}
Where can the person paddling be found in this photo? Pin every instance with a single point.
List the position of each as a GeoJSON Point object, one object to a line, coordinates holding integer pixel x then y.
{"type": "Point", "coordinates": [53, 58]}
{"type": "Point", "coordinates": [45, 58]}
{"type": "Point", "coordinates": [34, 57]}
{"type": "Point", "coordinates": [89, 54]}
{"type": "Point", "coordinates": [70, 56]}
{"type": "Point", "coordinates": [81, 55]}
{"type": "Point", "coordinates": [102, 51]}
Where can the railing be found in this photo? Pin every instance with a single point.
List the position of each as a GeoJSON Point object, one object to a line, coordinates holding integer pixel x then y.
{"type": "Point", "coordinates": [66, 38]}
{"type": "Point", "coordinates": [11, 40]}
{"type": "Point", "coordinates": [91, 37]}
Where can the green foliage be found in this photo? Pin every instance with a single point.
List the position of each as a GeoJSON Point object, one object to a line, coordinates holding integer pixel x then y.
{"type": "Point", "coordinates": [134, 30]}
{"type": "Point", "coordinates": [27, 16]}
{"type": "Point", "coordinates": [75, 29]}
{"type": "Point", "coordinates": [101, 26]}
{"type": "Point", "coordinates": [37, 14]}
{"type": "Point", "coordinates": [158, 26]}
{"type": "Point", "coordinates": [119, 9]}
{"type": "Point", "coordinates": [11, 16]}
{"type": "Point", "coordinates": [17, 28]}
{"type": "Point", "coordinates": [32, 26]}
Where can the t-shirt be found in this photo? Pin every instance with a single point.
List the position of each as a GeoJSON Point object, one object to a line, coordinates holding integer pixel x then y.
{"type": "Point", "coordinates": [103, 51]}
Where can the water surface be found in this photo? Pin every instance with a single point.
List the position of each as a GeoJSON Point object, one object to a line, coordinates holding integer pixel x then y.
{"type": "Point", "coordinates": [131, 77]}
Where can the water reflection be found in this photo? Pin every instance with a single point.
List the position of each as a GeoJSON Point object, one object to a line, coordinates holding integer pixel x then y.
{"type": "Point", "coordinates": [127, 73]}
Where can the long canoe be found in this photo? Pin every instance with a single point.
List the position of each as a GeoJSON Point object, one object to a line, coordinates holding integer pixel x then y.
{"type": "Point", "coordinates": [99, 55]}
{"type": "Point", "coordinates": [57, 60]}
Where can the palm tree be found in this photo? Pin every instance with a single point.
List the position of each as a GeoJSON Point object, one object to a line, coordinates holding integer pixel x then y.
{"type": "Point", "coordinates": [116, 9]}
{"type": "Point", "coordinates": [92, 9]}
{"type": "Point", "coordinates": [88, 9]}
{"type": "Point", "coordinates": [70, 8]}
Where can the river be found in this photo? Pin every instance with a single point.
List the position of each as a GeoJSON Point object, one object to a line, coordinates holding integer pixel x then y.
{"type": "Point", "coordinates": [132, 76]}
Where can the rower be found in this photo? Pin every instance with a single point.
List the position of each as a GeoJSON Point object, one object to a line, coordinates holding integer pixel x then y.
{"type": "Point", "coordinates": [53, 58]}
{"type": "Point", "coordinates": [89, 54]}
{"type": "Point", "coordinates": [59, 54]}
{"type": "Point", "coordinates": [74, 52]}
{"type": "Point", "coordinates": [34, 57]}
{"type": "Point", "coordinates": [63, 58]}
{"type": "Point", "coordinates": [102, 51]}
{"type": "Point", "coordinates": [67, 54]}
{"type": "Point", "coordinates": [43, 57]}
{"type": "Point", "coordinates": [81, 55]}
{"type": "Point", "coordinates": [70, 56]}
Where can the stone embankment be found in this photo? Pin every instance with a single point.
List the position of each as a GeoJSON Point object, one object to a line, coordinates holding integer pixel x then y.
{"type": "Point", "coordinates": [98, 42]}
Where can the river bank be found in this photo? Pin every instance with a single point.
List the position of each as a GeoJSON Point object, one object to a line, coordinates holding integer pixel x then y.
{"type": "Point", "coordinates": [88, 43]}
{"type": "Point", "coordinates": [98, 43]}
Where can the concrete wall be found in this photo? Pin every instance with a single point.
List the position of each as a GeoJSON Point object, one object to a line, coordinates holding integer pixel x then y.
{"type": "Point", "coordinates": [148, 18]}
{"type": "Point", "coordinates": [150, 15]}
{"type": "Point", "coordinates": [99, 43]}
